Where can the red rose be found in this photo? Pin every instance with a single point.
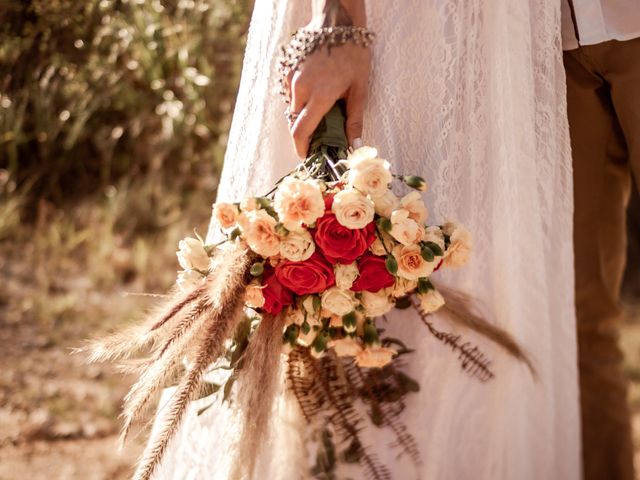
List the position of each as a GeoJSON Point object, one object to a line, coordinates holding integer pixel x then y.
{"type": "Point", "coordinates": [341, 244]}
{"type": "Point", "coordinates": [374, 275]}
{"type": "Point", "coordinates": [314, 275]}
{"type": "Point", "coordinates": [276, 295]}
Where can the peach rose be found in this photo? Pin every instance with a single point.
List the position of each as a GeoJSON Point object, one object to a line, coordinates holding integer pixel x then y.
{"type": "Point", "coordinates": [403, 286]}
{"type": "Point", "coordinates": [226, 214]}
{"type": "Point", "coordinates": [298, 202]}
{"type": "Point", "coordinates": [249, 204]}
{"type": "Point", "coordinates": [361, 154]}
{"type": "Point", "coordinates": [346, 347]}
{"type": "Point", "coordinates": [460, 246]}
{"type": "Point", "coordinates": [404, 229]}
{"type": "Point", "coordinates": [352, 209]}
{"type": "Point", "coordinates": [297, 246]}
{"type": "Point", "coordinates": [259, 231]}
{"type": "Point", "coordinates": [431, 301]}
{"type": "Point", "coordinates": [414, 204]}
{"type": "Point", "coordinates": [376, 304]}
{"type": "Point", "coordinates": [411, 265]}
{"type": "Point", "coordinates": [375, 357]}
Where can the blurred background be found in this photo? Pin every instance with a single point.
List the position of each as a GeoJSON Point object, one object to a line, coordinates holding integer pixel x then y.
{"type": "Point", "coordinates": [113, 124]}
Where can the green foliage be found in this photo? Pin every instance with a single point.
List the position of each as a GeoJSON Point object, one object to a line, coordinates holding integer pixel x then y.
{"type": "Point", "coordinates": [94, 90]}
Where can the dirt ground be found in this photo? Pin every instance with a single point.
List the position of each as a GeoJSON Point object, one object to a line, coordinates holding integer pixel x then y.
{"type": "Point", "coordinates": [59, 416]}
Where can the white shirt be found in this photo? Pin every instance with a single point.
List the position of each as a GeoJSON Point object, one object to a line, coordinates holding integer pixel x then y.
{"type": "Point", "coordinates": [599, 21]}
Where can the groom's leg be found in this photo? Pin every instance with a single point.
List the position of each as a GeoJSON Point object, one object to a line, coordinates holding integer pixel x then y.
{"type": "Point", "coordinates": [601, 183]}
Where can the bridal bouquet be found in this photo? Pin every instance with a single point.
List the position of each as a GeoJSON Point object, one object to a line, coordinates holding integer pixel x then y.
{"type": "Point", "coordinates": [304, 273]}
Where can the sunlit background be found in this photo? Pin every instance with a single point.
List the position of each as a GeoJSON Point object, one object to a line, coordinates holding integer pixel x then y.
{"type": "Point", "coordinates": [113, 124]}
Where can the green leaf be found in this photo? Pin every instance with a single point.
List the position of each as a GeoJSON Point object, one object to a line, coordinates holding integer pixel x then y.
{"type": "Point", "coordinates": [349, 320]}
{"type": "Point", "coordinates": [435, 248]}
{"type": "Point", "coordinates": [320, 342]}
{"type": "Point", "coordinates": [257, 269]}
{"type": "Point", "coordinates": [384, 224]}
{"type": "Point", "coordinates": [391, 264]}
{"type": "Point", "coordinates": [427, 254]}
{"type": "Point", "coordinates": [306, 328]}
{"type": "Point", "coordinates": [370, 333]}
{"type": "Point", "coordinates": [235, 233]}
{"type": "Point", "coordinates": [424, 285]}
{"type": "Point", "coordinates": [415, 182]}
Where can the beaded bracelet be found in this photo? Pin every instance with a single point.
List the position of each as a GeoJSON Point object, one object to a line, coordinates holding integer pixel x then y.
{"type": "Point", "coordinates": [306, 41]}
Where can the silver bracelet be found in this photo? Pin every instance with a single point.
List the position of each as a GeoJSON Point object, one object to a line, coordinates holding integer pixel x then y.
{"type": "Point", "coordinates": [306, 41]}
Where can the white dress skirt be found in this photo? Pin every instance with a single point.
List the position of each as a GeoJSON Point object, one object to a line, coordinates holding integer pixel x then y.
{"type": "Point", "coordinates": [471, 95]}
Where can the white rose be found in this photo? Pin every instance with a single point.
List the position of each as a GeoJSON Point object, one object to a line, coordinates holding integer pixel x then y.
{"type": "Point", "coordinates": [297, 246]}
{"type": "Point", "coordinates": [404, 229]}
{"type": "Point", "coordinates": [226, 214]}
{"type": "Point", "coordinates": [352, 209]}
{"type": "Point", "coordinates": [249, 204]}
{"type": "Point", "coordinates": [414, 204]}
{"type": "Point", "coordinates": [188, 279]}
{"type": "Point", "coordinates": [370, 176]}
{"type": "Point", "coordinates": [259, 231]}
{"type": "Point", "coordinates": [460, 246]}
{"type": "Point", "coordinates": [298, 202]}
{"type": "Point", "coordinates": [360, 155]}
{"type": "Point", "coordinates": [346, 347]}
{"type": "Point", "coordinates": [431, 301]}
{"type": "Point", "coordinates": [377, 248]}
{"type": "Point", "coordinates": [411, 265]}
{"type": "Point", "coordinates": [345, 275]}
{"type": "Point", "coordinates": [385, 204]}
{"type": "Point", "coordinates": [376, 304]}
{"type": "Point", "coordinates": [339, 302]}
{"type": "Point", "coordinates": [192, 255]}
{"type": "Point", "coordinates": [435, 235]}
{"type": "Point", "coordinates": [403, 286]}
{"type": "Point", "coordinates": [253, 296]}
{"type": "Point", "coordinates": [375, 357]}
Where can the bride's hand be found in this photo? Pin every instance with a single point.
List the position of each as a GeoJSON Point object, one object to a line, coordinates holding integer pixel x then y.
{"type": "Point", "coordinates": [327, 76]}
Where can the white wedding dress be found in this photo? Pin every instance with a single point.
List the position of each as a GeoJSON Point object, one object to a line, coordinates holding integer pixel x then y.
{"type": "Point", "coordinates": [471, 95]}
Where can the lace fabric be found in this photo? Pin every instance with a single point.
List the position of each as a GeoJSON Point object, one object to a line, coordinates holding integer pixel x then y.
{"type": "Point", "coordinates": [469, 94]}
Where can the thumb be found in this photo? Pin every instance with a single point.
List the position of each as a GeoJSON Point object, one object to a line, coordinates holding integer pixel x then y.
{"type": "Point", "coordinates": [356, 101]}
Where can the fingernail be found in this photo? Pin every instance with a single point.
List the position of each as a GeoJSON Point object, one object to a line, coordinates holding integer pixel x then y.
{"type": "Point", "coordinates": [357, 143]}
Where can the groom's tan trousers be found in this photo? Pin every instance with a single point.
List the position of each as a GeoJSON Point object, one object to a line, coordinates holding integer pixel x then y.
{"type": "Point", "coordinates": [603, 92]}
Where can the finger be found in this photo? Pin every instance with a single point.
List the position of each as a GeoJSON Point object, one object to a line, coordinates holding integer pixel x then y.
{"type": "Point", "coordinates": [288, 80]}
{"type": "Point", "coordinates": [356, 102]}
{"type": "Point", "coordinates": [308, 121]}
{"type": "Point", "coordinates": [300, 92]}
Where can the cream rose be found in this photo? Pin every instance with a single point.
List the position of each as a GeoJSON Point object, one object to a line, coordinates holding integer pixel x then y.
{"type": "Point", "coordinates": [345, 275]}
{"type": "Point", "coordinates": [249, 204]}
{"type": "Point", "coordinates": [435, 235]}
{"type": "Point", "coordinates": [361, 154]}
{"type": "Point", "coordinates": [370, 175]}
{"type": "Point", "coordinates": [259, 231]}
{"type": "Point", "coordinates": [385, 204]}
{"type": "Point", "coordinates": [431, 301]}
{"type": "Point", "coordinates": [226, 214]}
{"type": "Point", "coordinates": [192, 255]}
{"type": "Point", "coordinates": [460, 246]}
{"type": "Point", "coordinates": [376, 304]}
{"type": "Point", "coordinates": [377, 248]}
{"type": "Point", "coordinates": [411, 265]}
{"type": "Point", "coordinates": [188, 279]}
{"type": "Point", "coordinates": [346, 347]}
{"type": "Point", "coordinates": [337, 301]}
{"type": "Point", "coordinates": [253, 296]}
{"type": "Point", "coordinates": [404, 229]}
{"type": "Point", "coordinates": [403, 286]}
{"type": "Point", "coordinates": [375, 357]}
{"type": "Point", "coordinates": [294, 316]}
{"type": "Point", "coordinates": [297, 246]}
{"type": "Point", "coordinates": [414, 204]}
{"type": "Point", "coordinates": [352, 209]}
{"type": "Point", "coordinates": [298, 202]}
